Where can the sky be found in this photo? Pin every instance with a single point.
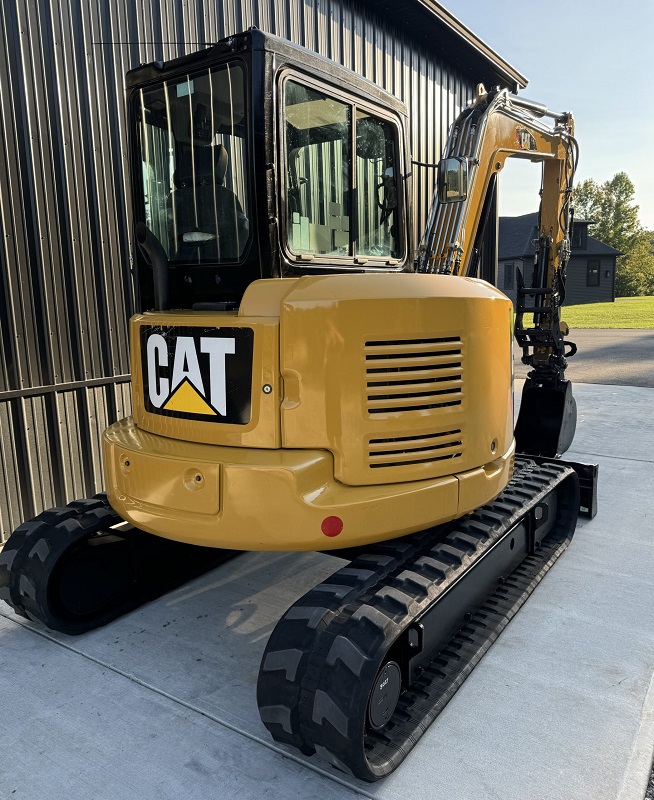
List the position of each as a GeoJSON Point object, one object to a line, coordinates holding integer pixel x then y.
{"type": "Point", "coordinates": [592, 57]}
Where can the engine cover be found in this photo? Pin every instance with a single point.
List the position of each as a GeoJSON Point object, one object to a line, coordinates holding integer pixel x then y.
{"type": "Point", "coordinates": [402, 377]}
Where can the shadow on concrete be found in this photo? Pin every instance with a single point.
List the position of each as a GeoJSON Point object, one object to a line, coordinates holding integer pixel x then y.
{"type": "Point", "coordinates": [613, 357]}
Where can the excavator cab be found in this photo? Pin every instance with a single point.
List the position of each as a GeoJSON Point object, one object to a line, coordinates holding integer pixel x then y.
{"type": "Point", "coordinates": [251, 159]}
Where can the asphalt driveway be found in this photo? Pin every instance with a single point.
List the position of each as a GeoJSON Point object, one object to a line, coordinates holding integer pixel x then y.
{"type": "Point", "coordinates": [612, 356]}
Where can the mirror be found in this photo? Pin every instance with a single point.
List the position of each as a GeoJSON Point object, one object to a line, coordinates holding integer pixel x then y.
{"type": "Point", "coordinates": [452, 179]}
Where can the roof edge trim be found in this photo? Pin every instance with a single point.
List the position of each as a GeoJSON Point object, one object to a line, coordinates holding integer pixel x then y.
{"type": "Point", "coordinates": [512, 75]}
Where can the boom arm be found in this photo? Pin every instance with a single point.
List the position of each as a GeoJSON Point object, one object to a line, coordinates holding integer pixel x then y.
{"type": "Point", "coordinates": [495, 127]}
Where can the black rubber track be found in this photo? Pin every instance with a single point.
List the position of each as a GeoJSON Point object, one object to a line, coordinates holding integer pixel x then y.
{"type": "Point", "coordinates": [69, 570]}
{"type": "Point", "coordinates": [318, 668]}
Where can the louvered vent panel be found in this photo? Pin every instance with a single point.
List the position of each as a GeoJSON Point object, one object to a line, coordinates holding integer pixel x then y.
{"type": "Point", "coordinates": [408, 450]}
{"type": "Point", "coordinates": [413, 375]}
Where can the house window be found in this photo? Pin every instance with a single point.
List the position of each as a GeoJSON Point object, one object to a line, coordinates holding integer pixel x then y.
{"type": "Point", "coordinates": [579, 237]}
{"type": "Point", "coordinates": [593, 272]}
{"type": "Point", "coordinates": [509, 276]}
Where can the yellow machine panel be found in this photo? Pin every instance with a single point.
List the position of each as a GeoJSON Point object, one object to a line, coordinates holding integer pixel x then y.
{"type": "Point", "coordinates": [401, 376]}
{"type": "Point", "coordinates": [376, 405]}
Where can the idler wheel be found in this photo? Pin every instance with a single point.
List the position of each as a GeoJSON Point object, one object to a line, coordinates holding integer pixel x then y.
{"type": "Point", "coordinates": [384, 695]}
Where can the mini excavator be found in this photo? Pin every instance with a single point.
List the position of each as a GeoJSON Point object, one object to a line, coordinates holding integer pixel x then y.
{"type": "Point", "coordinates": [301, 381]}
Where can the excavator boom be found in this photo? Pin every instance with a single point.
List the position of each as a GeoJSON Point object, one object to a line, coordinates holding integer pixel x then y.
{"type": "Point", "coordinates": [495, 127]}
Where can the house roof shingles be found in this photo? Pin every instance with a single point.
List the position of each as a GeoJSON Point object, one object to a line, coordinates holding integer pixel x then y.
{"type": "Point", "coordinates": [518, 234]}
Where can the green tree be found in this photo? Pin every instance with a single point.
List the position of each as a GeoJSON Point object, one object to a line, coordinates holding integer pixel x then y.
{"type": "Point", "coordinates": [613, 215]}
{"type": "Point", "coordinates": [635, 273]}
{"type": "Point", "coordinates": [611, 210]}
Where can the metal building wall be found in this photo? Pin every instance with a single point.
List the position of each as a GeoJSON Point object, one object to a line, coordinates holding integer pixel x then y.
{"type": "Point", "coordinates": [65, 287]}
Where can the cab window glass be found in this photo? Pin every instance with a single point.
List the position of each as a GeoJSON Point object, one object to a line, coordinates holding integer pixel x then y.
{"type": "Point", "coordinates": [336, 207]}
{"type": "Point", "coordinates": [377, 209]}
{"type": "Point", "coordinates": [192, 134]}
{"type": "Point", "coordinates": [318, 136]}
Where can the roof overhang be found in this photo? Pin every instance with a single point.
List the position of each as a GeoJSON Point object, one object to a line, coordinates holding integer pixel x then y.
{"type": "Point", "coordinates": [430, 21]}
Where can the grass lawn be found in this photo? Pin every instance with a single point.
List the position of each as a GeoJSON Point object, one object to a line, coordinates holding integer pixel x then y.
{"type": "Point", "coordinates": [626, 312]}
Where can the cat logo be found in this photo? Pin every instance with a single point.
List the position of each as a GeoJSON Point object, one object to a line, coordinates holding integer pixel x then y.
{"type": "Point", "coordinates": [198, 373]}
{"type": "Point", "coordinates": [526, 139]}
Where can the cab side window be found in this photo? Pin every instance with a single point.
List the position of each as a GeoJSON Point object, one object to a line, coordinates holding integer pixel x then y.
{"type": "Point", "coordinates": [376, 189]}
{"type": "Point", "coordinates": [341, 172]}
{"type": "Point", "coordinates": [318, 137]}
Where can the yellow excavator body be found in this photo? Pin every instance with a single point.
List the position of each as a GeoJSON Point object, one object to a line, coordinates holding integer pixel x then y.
{"type": "Point", "coordinates": [380, 405]}
{"type": "Point", "coordinates": [300, 382]}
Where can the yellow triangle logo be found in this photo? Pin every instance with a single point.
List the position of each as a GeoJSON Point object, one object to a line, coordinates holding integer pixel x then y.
{"type": "Point", "coordinates": [188, 400]}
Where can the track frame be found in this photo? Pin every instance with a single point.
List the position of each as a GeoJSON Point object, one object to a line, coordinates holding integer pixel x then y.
{"type": "Point", "coordinates": [77, 567]}
{"type": "Point", "coordinates": [432, 604]}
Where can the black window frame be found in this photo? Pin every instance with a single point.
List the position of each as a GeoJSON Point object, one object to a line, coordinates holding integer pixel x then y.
{"type": "Point", "coordinates": [593, 265]}
{"type": "Point", "coordinates": [320, 261]}
{"type": "Point", "coordinates": [579, 239]}
{"type": "Point", "coordinates": [510, 285]}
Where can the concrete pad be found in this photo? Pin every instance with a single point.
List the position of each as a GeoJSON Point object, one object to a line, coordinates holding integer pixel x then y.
{"type": "Point", "coordinates": [559, 707]}
{"type": "Point", "coordinates": [75, 730]}
{"type": "Point", "coordinates": [203, 643]}
{"type": "Point", "coordinates": [554, 709]}
{"type": "Point", "coordinates": [615, 421]}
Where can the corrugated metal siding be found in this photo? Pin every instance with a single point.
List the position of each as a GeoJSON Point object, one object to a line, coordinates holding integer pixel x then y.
{"type": "Point", "coordinates": [65, 287]}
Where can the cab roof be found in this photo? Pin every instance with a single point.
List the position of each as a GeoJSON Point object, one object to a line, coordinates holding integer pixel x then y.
{"type": "Point", "coordinates": [289, 53]}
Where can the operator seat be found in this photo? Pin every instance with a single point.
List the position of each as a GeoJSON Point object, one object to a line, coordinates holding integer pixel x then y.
{"type": "Point", "coordinates": [204, 206]}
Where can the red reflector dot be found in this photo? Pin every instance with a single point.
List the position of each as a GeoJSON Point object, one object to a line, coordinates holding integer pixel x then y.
{"type": "Point", "coordinates": [332, 526]}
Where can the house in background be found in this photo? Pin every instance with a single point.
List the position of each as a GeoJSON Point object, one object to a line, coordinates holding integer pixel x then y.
{"type": "Point", "coordinates": [591, 269]}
